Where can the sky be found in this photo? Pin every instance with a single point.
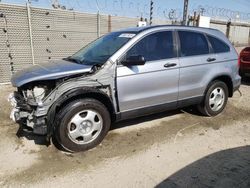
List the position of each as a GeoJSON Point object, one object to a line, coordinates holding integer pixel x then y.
{"type": "Point", "coordinates": [163, 9]}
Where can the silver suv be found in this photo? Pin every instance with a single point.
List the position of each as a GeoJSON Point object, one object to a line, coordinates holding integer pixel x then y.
{"type": "Point", "coordinates": [125, 74]}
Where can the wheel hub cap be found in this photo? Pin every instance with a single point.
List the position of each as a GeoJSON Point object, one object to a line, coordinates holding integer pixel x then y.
{"type": "Point", "coordinates": [85, 126]}
{"type": "Point", "coordinates": [217, 99]}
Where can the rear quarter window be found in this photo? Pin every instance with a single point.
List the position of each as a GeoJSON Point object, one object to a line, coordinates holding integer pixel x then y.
{"type": "Point", "coordinates": [218, 45]}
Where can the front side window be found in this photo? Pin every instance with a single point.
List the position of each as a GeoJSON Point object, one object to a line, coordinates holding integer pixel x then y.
{"type": "Point", "coordinates": [193, 43]}
{"type": "Point", "coordinates": [218, 46]}
{"type": "Point", "coordinates": [154, 47]}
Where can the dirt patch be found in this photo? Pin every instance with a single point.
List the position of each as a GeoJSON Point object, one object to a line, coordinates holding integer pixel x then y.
{"type": "Point", "coordinates": [35, 163]}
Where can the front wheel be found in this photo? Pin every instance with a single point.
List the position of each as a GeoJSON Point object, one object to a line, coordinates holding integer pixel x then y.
{"type": "Point", "coordinates": [82, 125]}
{"type": "Point", "coordinates": [215, 99]}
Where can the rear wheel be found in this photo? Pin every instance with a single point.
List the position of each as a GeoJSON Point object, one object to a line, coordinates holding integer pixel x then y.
{"type": "Point", "coordinates": [82, 125]}
{"type": "Point", "coordinates": [215, 99]}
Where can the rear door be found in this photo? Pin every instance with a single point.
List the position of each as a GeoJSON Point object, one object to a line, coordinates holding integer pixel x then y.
{"type": "Point", "coordinates": [195, 63]}
{"type": "Point", "coordinates": [154, 83]}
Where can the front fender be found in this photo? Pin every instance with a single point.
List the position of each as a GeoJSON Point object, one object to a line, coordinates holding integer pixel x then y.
{"type": "Point", "coordinates": [100, 94]}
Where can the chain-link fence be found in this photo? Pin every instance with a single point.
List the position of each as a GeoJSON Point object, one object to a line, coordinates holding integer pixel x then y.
{"type": "Point", "coordinates": [30, 35]}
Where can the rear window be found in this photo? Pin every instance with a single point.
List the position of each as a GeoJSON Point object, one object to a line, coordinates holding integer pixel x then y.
{"type": "Point", "coordinates": [193, 43]}
{"type": "Point", "coordinates": [218, 45]}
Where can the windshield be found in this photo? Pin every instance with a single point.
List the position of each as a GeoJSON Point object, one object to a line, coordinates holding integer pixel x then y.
{"type": "Point", "coordinates": [100, 50]}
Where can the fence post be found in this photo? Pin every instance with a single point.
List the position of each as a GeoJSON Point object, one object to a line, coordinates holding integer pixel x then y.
{"type": "Point", "coordinates": [109, 23]}
{"type": "Point", "coordinates": [5, 30]}
{"type": "Point", "coordinates": [228, 29]}
{"type": "Point", "coordinates": [98, 24]}
{"type": "Point", "coordinates": [30, 33]}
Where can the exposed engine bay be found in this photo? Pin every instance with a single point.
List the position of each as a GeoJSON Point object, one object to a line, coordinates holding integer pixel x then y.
{"type": "Point", "coordinates": [26, 100]}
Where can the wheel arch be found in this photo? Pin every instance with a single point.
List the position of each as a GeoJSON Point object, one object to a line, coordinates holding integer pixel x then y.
{"type": "Point", "coordinates": [227, 80]}
{"type": "Point", "coordinates": [87, 92]}
{"type": "Point", "coordinates": [75, 94]}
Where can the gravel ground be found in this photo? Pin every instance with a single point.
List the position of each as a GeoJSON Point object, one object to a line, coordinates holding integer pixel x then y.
{"type": "Point", "coordinates": [173, 149]}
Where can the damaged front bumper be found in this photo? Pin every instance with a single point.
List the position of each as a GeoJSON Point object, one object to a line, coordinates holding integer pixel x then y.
{"type": "Point", "coordinates": [15, 112]}
{"type": "Point", "coordinates": [23, 113]}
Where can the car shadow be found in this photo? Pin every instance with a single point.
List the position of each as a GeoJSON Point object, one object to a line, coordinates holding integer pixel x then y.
{"type": "Point", "coordinates": [142, 119]}
{"type": "Point", "coordinates": [130, 122]}
{"type": "Point", "coordinates": [27, 132]}
{"type": "Point", "coordinates": [226, 168]}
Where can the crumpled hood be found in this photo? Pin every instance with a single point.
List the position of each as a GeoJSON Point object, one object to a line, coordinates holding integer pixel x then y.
{"type": "Point", "coordinates": [48, 71]}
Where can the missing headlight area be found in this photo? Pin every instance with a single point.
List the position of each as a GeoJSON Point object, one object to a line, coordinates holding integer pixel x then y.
{"type": "Point", "coordinates": [35, 92]}
{"type": "Point", "coordinates": [25, 102]}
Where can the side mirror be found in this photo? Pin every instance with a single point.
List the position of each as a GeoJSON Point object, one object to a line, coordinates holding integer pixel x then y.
{"type": "Point", "coordinates": [134, 60]}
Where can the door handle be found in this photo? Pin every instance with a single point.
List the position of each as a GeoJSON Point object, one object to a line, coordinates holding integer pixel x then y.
{"type": "Point", "coordinates": [211, 59]}
{"type": "Point", "coordinates": [167, 65]}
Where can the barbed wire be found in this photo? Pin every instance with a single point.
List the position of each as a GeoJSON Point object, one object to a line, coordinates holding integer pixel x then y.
{"type": "Point", "coordinates": [122, 7]}
{"type": "Point", "coordinates": [138, 9]}
{"type": "Point", "coordinates": [216, 12]}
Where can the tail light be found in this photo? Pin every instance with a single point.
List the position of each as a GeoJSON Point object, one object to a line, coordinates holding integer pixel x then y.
{"type": "Point", "coordinates": [244, 56]}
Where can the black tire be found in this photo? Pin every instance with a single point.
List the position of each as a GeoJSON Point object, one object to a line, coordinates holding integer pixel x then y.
{"type": "Point", "coordinates": [64, 117]}
{"type": "Point", "coordinates": [205, 107]}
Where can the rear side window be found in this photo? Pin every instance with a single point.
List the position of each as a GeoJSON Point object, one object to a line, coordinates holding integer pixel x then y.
{"type": "Point", "coordinates": [154, 47]}
{"type": "Point", "coordinates": [193, 43]}
{"type": "Point", "coordinates": [218, 46]}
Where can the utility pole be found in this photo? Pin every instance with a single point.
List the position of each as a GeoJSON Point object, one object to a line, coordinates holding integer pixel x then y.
{"type": "Point", "coordinates": [151, 12]}
{"type": "Point", "coordinates": [185, 12]}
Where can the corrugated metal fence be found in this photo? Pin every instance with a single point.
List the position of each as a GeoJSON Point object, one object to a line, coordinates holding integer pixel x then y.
{"type": "Point", "coordinates": [30, 35]}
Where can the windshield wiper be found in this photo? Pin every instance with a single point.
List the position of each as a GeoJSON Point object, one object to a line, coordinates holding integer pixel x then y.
{"type": "Point", "coordinates": [70, 58]}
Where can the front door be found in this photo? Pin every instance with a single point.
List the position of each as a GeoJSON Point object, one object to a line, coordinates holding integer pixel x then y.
{"type": "Point", "coordinates": [156, 82]}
